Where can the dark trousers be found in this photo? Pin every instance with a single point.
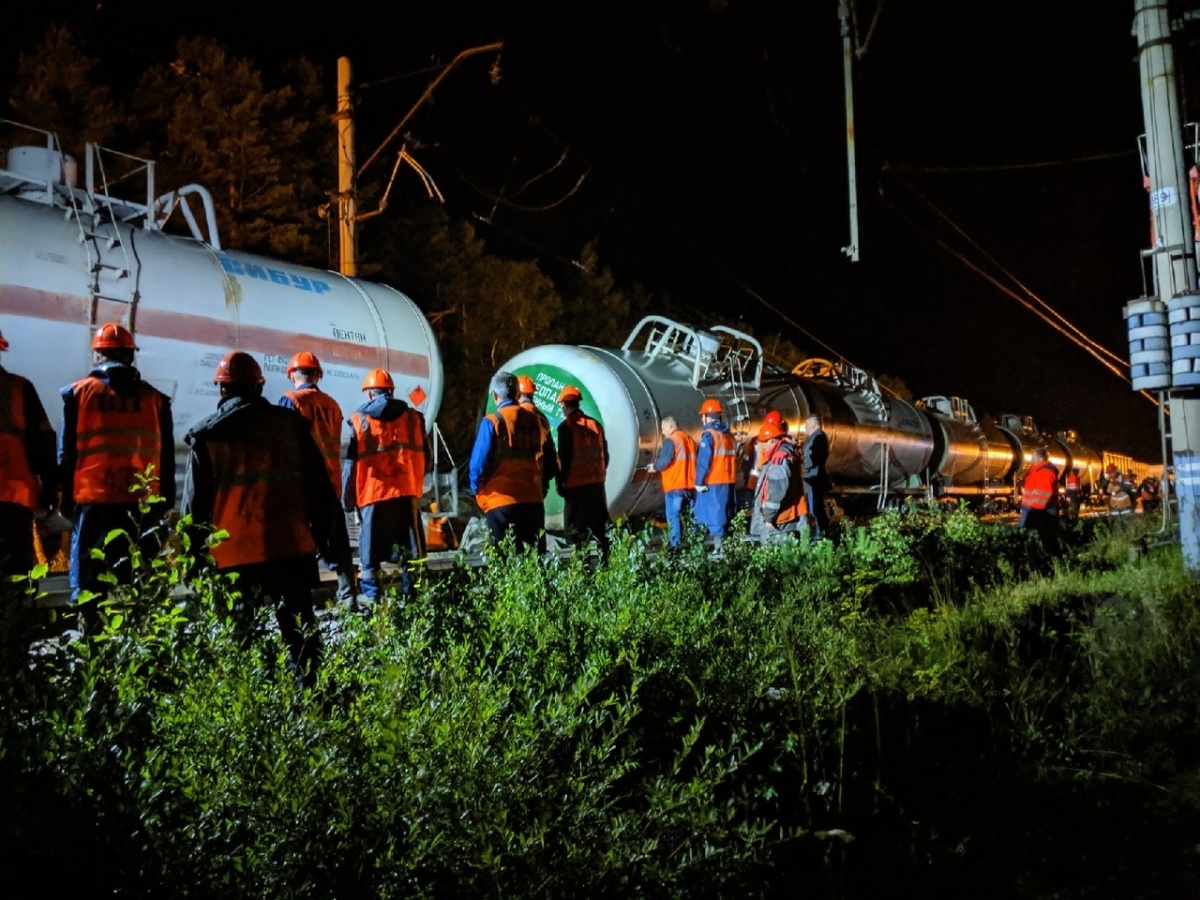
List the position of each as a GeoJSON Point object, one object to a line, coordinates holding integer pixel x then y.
{"type": "Point", "coordinates": [339, 558]}
{"type": "Point", "coordinates": [523, 520]}
{"type": "Point", "coordinates": [585, 515]}
{"type": "Point", "coordinates": [818, 515]}
{"type": "Point", "coordinates": [93, 523]}
{"type": "Point", "coordinates": [1045, 523]}
{"type": "Point", "coordinates": [287, 584]}
{"type": "Point", "coordinates": [16, 539]}
{"type": "Point", "coordinates": [390, 532]}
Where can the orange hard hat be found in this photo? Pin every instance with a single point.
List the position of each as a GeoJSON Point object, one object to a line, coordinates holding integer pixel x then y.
{"type": "Point", "coordinates": [569, 393]}
{"type": "Point", "coordinates": [711, 407]}
{"type": "Point", "coordinates": [770, 431]}
{"type": "Point", "coordinates": [238, 367]}
{"type": "Point", "coordinates": [378, 379]}
{"type": "Point", "coordinates": [305, 360]}
{"type": "Point", "coordinates": [111, 336]}
{"type": "Point", "coordinates": [3, 342]}
{"type": "Point", "coordinates": [525, 385]}
{"type": "Point", "coordinates": [775, 417]}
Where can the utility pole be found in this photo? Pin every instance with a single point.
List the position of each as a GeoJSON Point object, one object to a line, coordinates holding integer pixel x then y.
{"type": "Point", "coordinates": [1173, 258]}
{"type": "Point", "coordinates": [347, 208]}
{"type": "Point", "coordinates": [851, 249]}
{"type": "Point", "coordinates": [348, 169]}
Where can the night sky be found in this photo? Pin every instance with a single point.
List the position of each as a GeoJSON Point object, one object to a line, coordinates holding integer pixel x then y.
{"type": "Point", "coordinates": [709, 137]}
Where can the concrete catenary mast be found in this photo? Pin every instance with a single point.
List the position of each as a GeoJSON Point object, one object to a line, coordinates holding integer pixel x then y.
{"type": "Point", "coordinates": [1173, 258]}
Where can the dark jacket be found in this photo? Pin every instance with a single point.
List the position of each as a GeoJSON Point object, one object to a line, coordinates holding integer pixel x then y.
{"type": "Point", "coordinates": [268, 427]}
{"type": "Point", "coordinates": [37, 438]}
{"type": "Point", "coordinates": [816, 453]}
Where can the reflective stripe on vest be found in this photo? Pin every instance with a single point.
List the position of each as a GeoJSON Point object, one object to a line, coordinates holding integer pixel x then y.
{"type": "Point", "coordinates": [258, 497]}
{"type": "Point", "coordinates": [116, 438]}
{"type": "Point", "coordinates": [1039, 486]}
{"type": "Point", "coordinates": [18, 484]}
{"type": "Point", "coordinates": [723, 469]}
{"type": "Point", "coordinates": [680, 475]}
{"type": "Point", "coordinates": [516, 473]}
{"type": "Point", "coordinates": [587, 451]}
{"type": "Point", "coordinates": [391, 457]}
{"type": "Point", "coordinates": [326, 417]}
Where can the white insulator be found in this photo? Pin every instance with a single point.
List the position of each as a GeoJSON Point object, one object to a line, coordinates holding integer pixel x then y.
{"type": "Point", "coordinates": [1149, 344]}
{"type": "Point", "coordinates": [1183, 316]}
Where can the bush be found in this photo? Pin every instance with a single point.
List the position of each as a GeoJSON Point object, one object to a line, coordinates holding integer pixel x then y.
{"type": "Point", "coordinates": [683, 726]}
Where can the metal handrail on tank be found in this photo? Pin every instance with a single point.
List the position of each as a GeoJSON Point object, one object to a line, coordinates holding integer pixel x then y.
{"type": "Point", "coordinates": [96, 198]}
{"type": "Point", "coordinates": [711, 357]}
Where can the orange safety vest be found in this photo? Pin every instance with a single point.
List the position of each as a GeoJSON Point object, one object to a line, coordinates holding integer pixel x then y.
{"type": "Point", "coordinates": [528, 404]}
{"type": "Point", "coordinates": [1072, 482]}
{"type": "Point", "coordinates": [516, 476]}
{"type": "Point", "coordinates": [1040, 486]}
{"type": "Point", "coordinates": [587, 451]}
{"type": "Point", "coordinates": [391, 457]}
{"type": "Point", "coordinates": [680, 475]}
{"type": "Point", "coordinates": [258, 497]}
{"type": "Point", "coordinates": [326, 417]}
{"type": "Point", "coordinates": [18, 484]}
{"type": "Point", "coordinates": [116, 438]}
{"type": "Point", "coordinates": [723, 469]}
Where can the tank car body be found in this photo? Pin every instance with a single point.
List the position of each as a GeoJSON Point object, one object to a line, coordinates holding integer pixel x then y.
{"type": "Point", "coordinates": [75, 257]}
{"type": "Point", "coordinates": [881, 447]}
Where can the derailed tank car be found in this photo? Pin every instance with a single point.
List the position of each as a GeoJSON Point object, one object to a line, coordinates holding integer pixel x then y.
{"type": "Point", "coordinates": [881, 447]}
{"type": "Point", "coordinates": [73, 257]}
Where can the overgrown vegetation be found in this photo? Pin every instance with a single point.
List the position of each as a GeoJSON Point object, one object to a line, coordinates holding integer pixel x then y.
{"type": "Point", "coordinates": [932, 706]}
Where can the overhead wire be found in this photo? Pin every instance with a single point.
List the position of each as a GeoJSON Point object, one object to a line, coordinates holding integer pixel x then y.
{"type": "Point", "coordinates": [1023, 301]}
{"type": "Point", "coordinates": [1029, 293]}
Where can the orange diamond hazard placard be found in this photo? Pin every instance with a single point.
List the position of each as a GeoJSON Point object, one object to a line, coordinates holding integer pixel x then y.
{"type": "Point", "coordinates": [416, 396]}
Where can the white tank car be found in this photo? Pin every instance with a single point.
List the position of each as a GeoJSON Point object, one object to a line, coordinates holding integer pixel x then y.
{"type": "Point", "coordinates": [73, 258]}
{"type": "Point", "coordinates": [881, 448]}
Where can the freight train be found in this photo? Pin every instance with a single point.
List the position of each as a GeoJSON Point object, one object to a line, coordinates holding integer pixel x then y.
{"type": "Point", "coordinates": [882, 449]}
{"type": "Point", "coordinates": [73, 256]}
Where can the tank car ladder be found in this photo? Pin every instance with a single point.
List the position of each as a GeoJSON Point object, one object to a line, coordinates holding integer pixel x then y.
{"type": "Point", "coordinates": [112, 273]}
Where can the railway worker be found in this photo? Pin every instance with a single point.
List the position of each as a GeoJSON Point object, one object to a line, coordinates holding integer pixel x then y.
{"type": "Point", "coordinates": [1039, 499]}
{"type": "Point", "coordinates": [716, 472]}
{"type": "Point", "coordinates": [1074, 495]}
{"type": "Point", "coordinates": [817, 484]}
{"type": "Point", "coordinates": [779, 503]}
{"type": "Point", "coordinates": [254, 470]}
{"type": "Point", "coordinates": [28, 469]}
{"type": "Point", "coordinates": [758, 449]}
{"type": "Point", "coordinates": [387, 456]}
{"type": "Point", "coordinates": [676, 462]}
{"type": "Point", "coordinates": [509, 470]}
{"type": "Point", "coordinates": [583, 467]}
{"type": "Point", "coordinates": [325, 416]}
{"type": "Point", "coordinates": [115, 428]}
{"type": "Point", "coordinates": [525, 391]}
{"type": "Point", "coordinates": [1148, 493]}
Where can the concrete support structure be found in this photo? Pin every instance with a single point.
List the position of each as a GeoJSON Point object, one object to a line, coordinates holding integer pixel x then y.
{"type": "Point", "coordinates": [1174, 262]}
